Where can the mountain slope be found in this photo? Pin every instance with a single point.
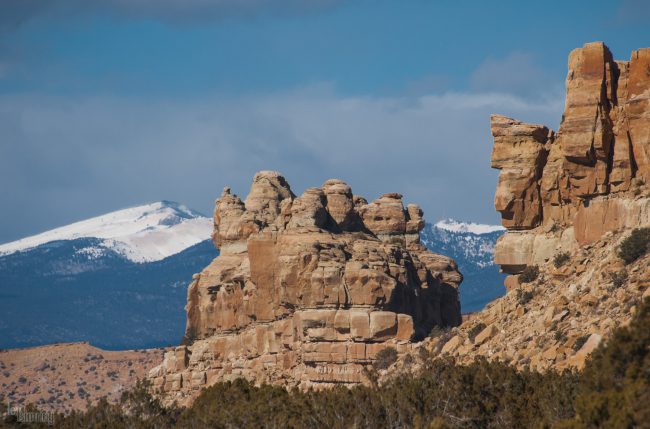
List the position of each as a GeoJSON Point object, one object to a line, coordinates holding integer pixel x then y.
{"type": "Point", "coordinates": [472, 247]}
{"type": "Point", "coordinates": [118, 280]}
{"type": "Point", "coordinates": [145, 233]}
{"type": "Point", "coordinates": [54, 294]}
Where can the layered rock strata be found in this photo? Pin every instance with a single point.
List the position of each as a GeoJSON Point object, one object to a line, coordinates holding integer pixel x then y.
{"type": "Point", "coordinates": [559, 191]}
{"type": "Point", "coordinates": [307, 290]}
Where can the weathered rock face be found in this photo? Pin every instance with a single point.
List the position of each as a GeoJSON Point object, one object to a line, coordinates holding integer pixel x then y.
{"type": "Point", "coordinates": [560, 191]}
{"type": "Point", "coordinates": [579, 192]}
{"type": "Point", "coordinates": [307, 290]}
{"type": "Point", "coordinates": [520, 153]}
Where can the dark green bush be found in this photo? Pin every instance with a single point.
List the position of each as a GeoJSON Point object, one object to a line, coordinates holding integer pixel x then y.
{"type": "Point", "coordinates": [580, 342]}
{"type": "Point", "coordinates": [385, 358]}
{"type": "Point", "coordinates": [614, 387]}
{"type": "Point", "coordinates": [618, 278]}
{"type": "Point", "coordinates": [635, 245]}
{"type": "Point", "coordinates": [561, 258]}
{"type": "Point", "coordinates": [529, 274]}
{"type": "Point", "coordinates": [524, 296]}
{"type": "Point", "coordinates": [475, 330]}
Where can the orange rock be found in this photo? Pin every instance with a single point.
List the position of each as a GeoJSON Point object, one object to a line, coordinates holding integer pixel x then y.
{"type": "Point", "coordinates": [308, 289]}
{"type": "Point", "coordinates": [519, 152]}
{"type": "Point", "coordinates": [572, 188]}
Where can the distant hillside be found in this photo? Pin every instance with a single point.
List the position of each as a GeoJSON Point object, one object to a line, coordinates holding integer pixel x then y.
{"type": "Point", "coordinates": [472, 246]}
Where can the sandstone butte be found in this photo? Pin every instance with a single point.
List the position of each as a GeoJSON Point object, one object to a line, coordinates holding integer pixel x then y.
{"type": "Point", "coordinates": [577, 192]}
{"type": "Point", "coordinates": [307, 290]}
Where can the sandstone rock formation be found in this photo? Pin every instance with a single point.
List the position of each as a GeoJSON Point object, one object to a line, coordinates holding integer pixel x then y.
{"type": "Point", "coordinates": [559, 191]}
{"type": "Point", "coordinates": [575, 194]}
{"type": "Point", "coordinates": [307, 290]}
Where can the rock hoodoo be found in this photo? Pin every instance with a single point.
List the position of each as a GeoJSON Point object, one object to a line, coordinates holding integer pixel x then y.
{"type": "Point", "coordinates": [559, 191]}
{"type": "Point", "coordinates": [307, 290]}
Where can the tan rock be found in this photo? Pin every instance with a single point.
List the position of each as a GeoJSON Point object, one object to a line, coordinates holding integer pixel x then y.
{"type": "Point", "coordinates": [485, 335]}
{"type": "Point", "coordinates": [308, 289]}
{"type": "Point", "coordinates": [451, 345]}
{"type": "Point", "coordinates": [520, 153]}
{"type": "Point", "coordinates": [588, 177]}
{"type": "Point", "coordinates": [511, 283]}
{"type": "Point", "coordinates": [340, 205]}
{"type": "Point", "coordinates": [405, 329]}
{"type": "Point", "coordinates": [383, 325]}
{"type": "Point", "coordinates": [360, 325]}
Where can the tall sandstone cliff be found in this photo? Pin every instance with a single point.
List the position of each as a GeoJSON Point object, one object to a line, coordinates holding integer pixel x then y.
{"type": "Point", "coordinates": [559, 191]}
{"type": "Point", "coordinates": [568, 200]}
{"type": "Point", "coordinates": [307, 290]}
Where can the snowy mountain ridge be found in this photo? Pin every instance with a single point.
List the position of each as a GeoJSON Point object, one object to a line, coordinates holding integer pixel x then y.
{"type": "Point", "coordinates": [452, 225]}
{"type": "Point", "coordinates": [146, 233]}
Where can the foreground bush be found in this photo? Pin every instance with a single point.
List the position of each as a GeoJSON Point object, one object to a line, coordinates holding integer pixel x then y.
{"type": "Point", "coordinates": [529, 274]}
{"type": "Point", "coordinates": [613, 391]}
{"type": "Point", "coordinates": [635, 246]}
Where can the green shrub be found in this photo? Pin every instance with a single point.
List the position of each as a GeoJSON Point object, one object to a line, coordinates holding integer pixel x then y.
{"type": "Point", "coordinates": [475, 330]}
{"type": "Point", "coordinates": [529, 274]}
{"type": "Point", "coordinates": [614, 387]}
{"type": "Point", "coordinates": [560, 336]}
{"type": "Point", "coordinates": [524, 297]}
{"type": "Point", "coordinates": [618, 278]}
{"type": "Point", "coordinates": [580, 342]}
{"type": "Point", "coordinates": [561, 258]}
{"type": "Point", "coordinates": [436, 331]}
{"type": "Point", "coordinates": [385, 358]}
{"type": "Point", "coordinates": [635, 245]}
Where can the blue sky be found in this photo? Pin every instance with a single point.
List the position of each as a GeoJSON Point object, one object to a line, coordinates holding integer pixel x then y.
{"type": "Point", "coordinates": [113, 103]}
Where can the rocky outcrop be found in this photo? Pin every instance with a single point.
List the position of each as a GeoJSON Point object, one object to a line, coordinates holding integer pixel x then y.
{"type": "Point", "coordinates": [307, 290]}
{"type": "Point", "coordinates": [552, 322]}
{"type": "Point", "coordinates": [574, 195]}
{"type": "Point", "coordinates": [568, 200]}
{"type": "Point", "coordinates": [559, 191]}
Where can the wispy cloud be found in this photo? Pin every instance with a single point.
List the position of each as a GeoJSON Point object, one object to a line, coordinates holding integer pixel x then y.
{"type": "Point", "coordinates": [518, 73]}
{"type": "Point", "coordinates": [83, 156]}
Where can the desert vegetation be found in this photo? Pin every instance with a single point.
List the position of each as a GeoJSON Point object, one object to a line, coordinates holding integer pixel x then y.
{"type": "Point", "coordinates": [529, 274]}
{"type": "Point", "coordinates": [635, 245]}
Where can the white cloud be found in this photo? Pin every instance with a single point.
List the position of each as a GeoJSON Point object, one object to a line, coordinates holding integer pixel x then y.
{"type": "Point", "coordinates": [74, 158]}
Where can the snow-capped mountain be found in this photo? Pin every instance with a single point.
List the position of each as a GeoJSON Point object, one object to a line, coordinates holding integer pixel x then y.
{"type": "Point", "coordinates": [147, 233]}
{"type": "Point", "coordinates": [472, 246]}
{"type": "Point", "coordinates": [120, 280]}
{"type": "Point", "coordinates": [452, 225]}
